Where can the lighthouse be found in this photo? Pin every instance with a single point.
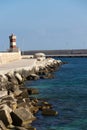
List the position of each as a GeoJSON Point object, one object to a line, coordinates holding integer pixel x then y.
{"type": "Point", "coordinates": [13, 47]}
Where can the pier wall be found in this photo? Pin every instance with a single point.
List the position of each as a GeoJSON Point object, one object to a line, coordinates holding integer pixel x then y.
{"type": "Point", "coordinates": [6, 57]}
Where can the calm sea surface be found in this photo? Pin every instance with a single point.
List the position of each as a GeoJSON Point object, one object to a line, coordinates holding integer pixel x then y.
{"type": "Point", "coordinates": [68, 94]}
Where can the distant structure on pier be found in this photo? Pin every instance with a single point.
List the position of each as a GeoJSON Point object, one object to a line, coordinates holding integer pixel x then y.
{"type": "Point", "coordinates": [13, 47]}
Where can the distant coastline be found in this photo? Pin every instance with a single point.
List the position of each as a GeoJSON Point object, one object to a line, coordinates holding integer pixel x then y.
{"type": "Point", "coordinates": [59, 53]}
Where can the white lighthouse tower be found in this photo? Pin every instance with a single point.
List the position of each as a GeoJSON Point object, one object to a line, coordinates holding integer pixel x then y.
{"type": "Point", "coordinates": [13, 47]}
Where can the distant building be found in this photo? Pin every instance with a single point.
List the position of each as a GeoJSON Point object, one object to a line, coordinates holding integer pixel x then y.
{"type": "Point", "coordinates": [13, 47]}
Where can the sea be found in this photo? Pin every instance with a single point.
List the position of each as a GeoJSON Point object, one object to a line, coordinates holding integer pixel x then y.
{"type": "Point", "coordinates": [67, 92]}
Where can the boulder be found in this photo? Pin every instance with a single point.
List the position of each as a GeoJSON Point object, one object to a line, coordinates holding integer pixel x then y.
{"type": "Point", "coordinates": [49, 112]}
{"type": "Point", "coordinates": [33, 77]}
{"type": "Point", "coordinates": [2, 126]}
{"type": "Point", "coordinates": [5, 115]}
{"type": "Point", "coordinates": [17, 92]}
{"type": "Point", "coordinates": [11, 87]}
{"type": "Point", "coordinates": [13, 105]}
{"type": "Point", "coordinates": [3, 93]}
{"type": "Point", "coordinates": [21, 104]}
{"type": "Point", "coordinates": [23, 128]}
{"type": "Point", "coordinates": [3, 78]}
{"type": "Point", "coordinates": [33, 91]}
{"type": "Point", "coordinates": [5, 107]}
{"type": "Point", "coordinates": [19, 78]}
{"type": "Point", "coordinates": [8, 98]}
{"type": "Point", "coordinates": [24, 93]}
{"type": "Point", "coordinates": [24, 73]}
{"type": "Point", "coordinates": [45, 105]}
{"type": "Point", "coordinates": [11, 78]}
{"type": "Point", "coordinates": [19, 128]}
{"type": "Point", "coordinates": [47, 76]}
{"type": "Point", "coordinates": [21, 117]}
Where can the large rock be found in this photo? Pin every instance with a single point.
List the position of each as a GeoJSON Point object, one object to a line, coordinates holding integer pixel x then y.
{"type": "Point", "coordinates": [24, 93]}
{"type": "Point", "coordinates": [21, 117]}
{"type": "Point", "coordinates": [11, 88]}
{"type": "Point", "coordinates": [5, 115]}
{"type": "Point", "coordinates": [19, 78]}
{"type": "Point", "coordinates": [8, 98]}
{"type": "Point", "coordinates": [47, 76]}
{"type": "Point", "coordinates": [49, 112]}
{"type": "Point", "coordinates": [2, 126]}
{"type": "Point", "coordinates": [33, 91]}
{"type": "Point", "coordinates": [3, 78]}
{"type": "Point", "coordinates": [19, 128]}
{"type": "Point", "coordinates": [3, 82]}
{"type": "Point", "coordinates": [11, 77]}
{"type": "Point", "coordinates": [24, 73]}
{"type": "Point", "coordinates": [3, 93]}
{"type": "Point", "coordinates": [22, 128]}
{"type": "Point", "coordinates": [33, 77]}
{"type": "Point", "coordinates": [45, 105]}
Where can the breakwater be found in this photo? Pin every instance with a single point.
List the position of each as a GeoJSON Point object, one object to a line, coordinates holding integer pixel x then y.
{"type": "Point", "coordinates": [60, 53]}
{"type": "Point", "coordinates": [17, 109]}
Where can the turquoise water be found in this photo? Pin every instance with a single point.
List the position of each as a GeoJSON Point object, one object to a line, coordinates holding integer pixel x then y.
{"type": "Point", "coordinates": [68, 94]}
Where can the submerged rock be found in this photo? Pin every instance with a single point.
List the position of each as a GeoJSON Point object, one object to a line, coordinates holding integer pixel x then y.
{"type": "Point", "coordinates": [33, 91]}
{"type": "Point", "coordinates": [49, 112]}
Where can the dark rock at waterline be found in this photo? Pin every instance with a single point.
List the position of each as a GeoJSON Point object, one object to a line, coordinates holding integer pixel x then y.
{"type": "Point", "coordinates": [43, 71]}
{"type": "Point", "coordinates": [64, 62]}
{"type": "Point", "coordinates": [33, 91]}
{"type": "Point", "coordinates": [33, 77]}
{"type": "Point", "coordinates": [25, 93]}
{"type": "Point", "coordinates": [21, 116]}
{"type": "Point", "coordinates": [45, 105]}
{"type": "Point", "coordinates": [19, 128]}
{"type": "Point", "coordinates": [24, 128]}
{"type": "Point", "coordinates": [49, 112]}
{"type": "Point", "coordinates": [47, 76]}
{"type": "Point", "coordinates": [52, 68]}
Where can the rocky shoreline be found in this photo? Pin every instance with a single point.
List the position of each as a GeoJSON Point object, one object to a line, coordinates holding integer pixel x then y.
{"type": "Point", "coordinates": [17, 109]}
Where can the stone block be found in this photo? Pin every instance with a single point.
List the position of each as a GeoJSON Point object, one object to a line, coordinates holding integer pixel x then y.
{"type": "Point", "coordinates": [2, 126]}
{"type": "Point", "coordinates": [21, 116]}
{"type": "Point", "coordinates": [19, 78]}
{"type": "Point", "coordinates": [33, 77]}
{"type": "Point", "coordinates": [20, 128]}
{"type": "Point", "coordinates": [8, 98]}
{"type": "Point", "coordinates": [11, 77]}
{"type": "Point", "coordinates": [3, 93]}
{"type": "Point", "coordinates": [5, 117]}
{"type": "Point", "coordinates": [24, 93]}
{"type": "Point", "coordinates": [33, 91]}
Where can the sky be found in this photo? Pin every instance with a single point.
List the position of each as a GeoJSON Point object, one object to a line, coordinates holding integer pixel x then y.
{"type": "Point", "coordinates": [44, 24]}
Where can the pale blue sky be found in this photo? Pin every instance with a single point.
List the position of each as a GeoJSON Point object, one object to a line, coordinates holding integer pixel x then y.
{"type": "Point", "coordinates": [44, 24]}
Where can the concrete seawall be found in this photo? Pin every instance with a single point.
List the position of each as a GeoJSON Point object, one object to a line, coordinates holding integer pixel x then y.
{"type": "Point", "coordinates": [6, 57]}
